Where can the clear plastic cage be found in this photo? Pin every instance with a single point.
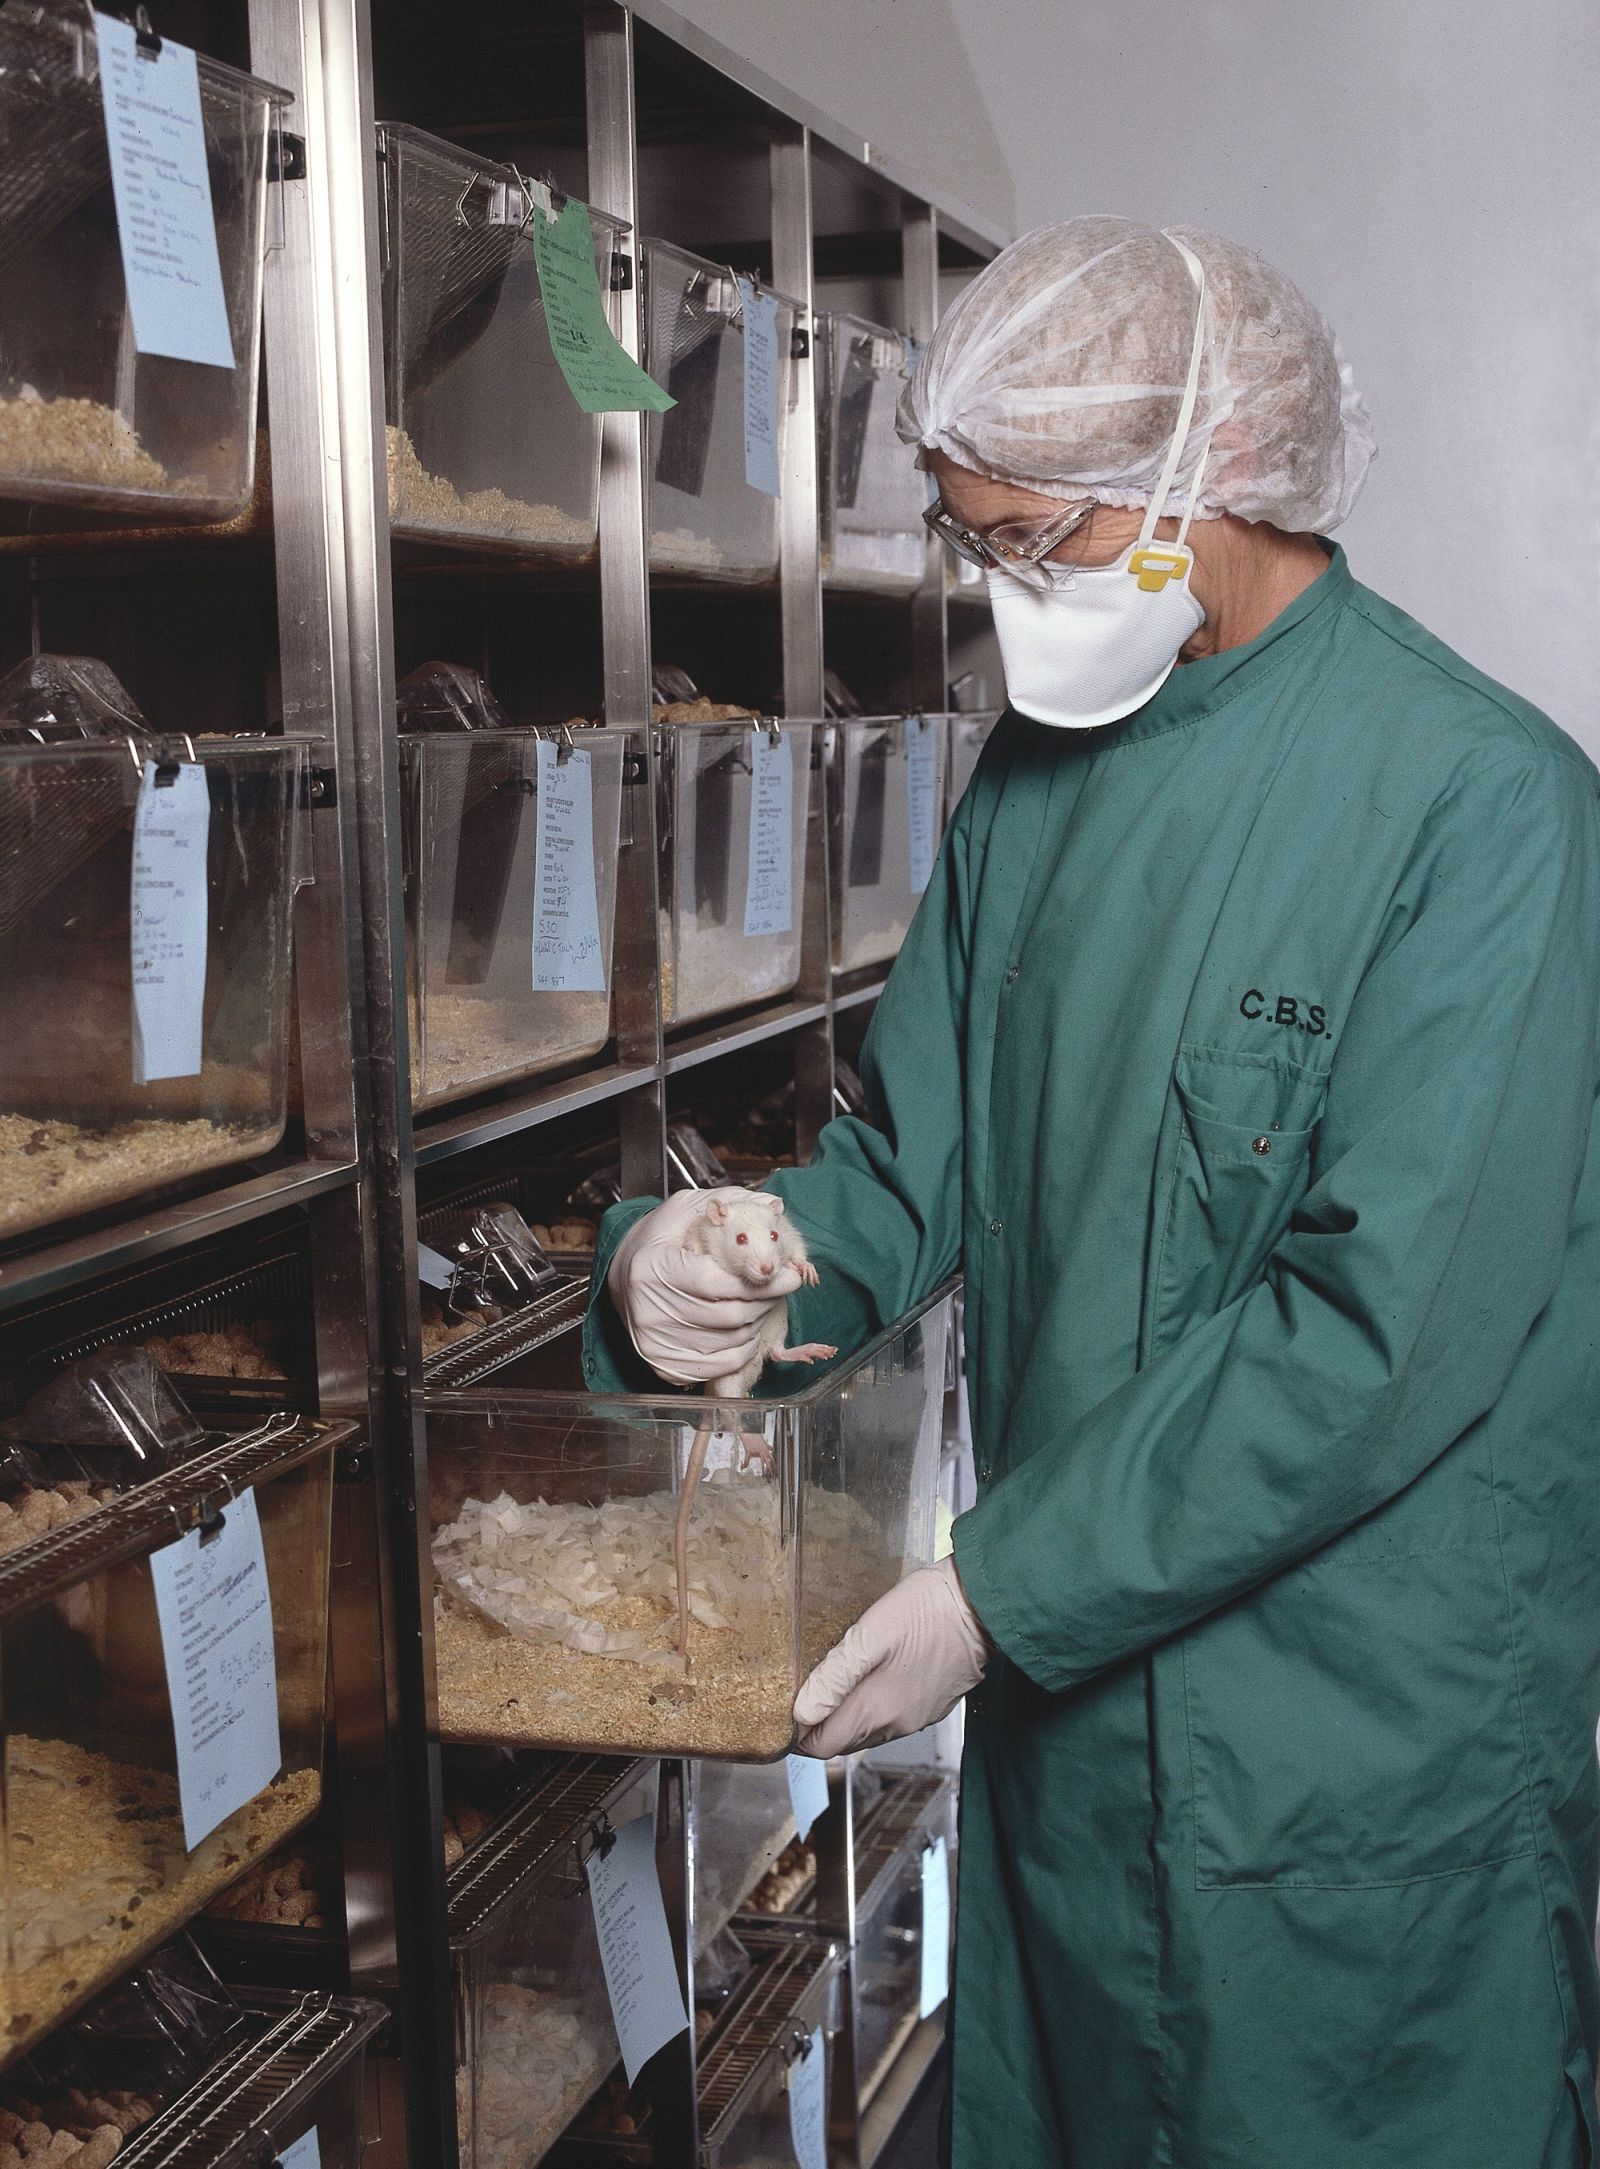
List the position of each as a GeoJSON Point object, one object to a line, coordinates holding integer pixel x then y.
{"type": "Point", "coordinates": [97, 1865]}
{"type": "Point", "coordinates": [78, 1130]}
{"type": "Point", "coordinates": [486, 443]}
{"type": "Point", "coordinates": [487, 1005]}
{"type": "Point", "coordinates": [534, 2032]}
{"type": "Point", "coordinates": [555, 1543]}
{"type": "Point", "coordinates": [885, 815]}
{"type": "Point", "coordinates": [743, 1821]}
{"type": "Point", "coordinates": [85, 419]}
{"type": "Point", "coordinates": [894, 1838]}
{"type": "Point", "coordinates": [706, 521]}
{"type": "Point", "coordinates": [968, 735]}
{"type": "Point", "coordinates": [873, 495]}
{"type": "Point", "coordinates": [762, 2048]}
{"type": "Point", "coordinates": [735, 799]}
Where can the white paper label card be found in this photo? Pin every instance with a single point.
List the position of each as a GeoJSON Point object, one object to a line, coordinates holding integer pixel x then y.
{"type": "Point", "coordinates": [935, 1928]}
{"type": "Point", "coordinates": [214, 1609]}
{"type": "Point", "coordinates": [162, 189]}
{"type": "Point", "coordinates": [922, 790]}
{"type": "Point", "coordinates": [567, 956]}
{"type": "Point", "coordinates": [434, 1270]}
{"type": "Point", "coordinates": [808, 1790]}
{"type": "Point", "coordinates": [769, 881]}
{"type": "Point", "coordinates": [302, 2153]}
{"type": "Point", "coordinates": [763, 388]}
{"type": "Point", "coordinates": [635, 1946]}
{"type": "Point", "coordinates": [169, 918]}
{"type": "Point", "coordinates": [808, 2104]}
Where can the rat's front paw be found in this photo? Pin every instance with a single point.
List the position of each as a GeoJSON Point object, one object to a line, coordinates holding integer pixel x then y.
{"type": "Point", "coordinates": [809, 1274]}
{"type": "Point", "coordinates": [808, 1352]}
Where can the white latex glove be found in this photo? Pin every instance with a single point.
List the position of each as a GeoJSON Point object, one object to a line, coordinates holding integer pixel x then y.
{"type": "Point", "coordinates": [690, 1318]}
{"type": "Point", "coordinates": [906, 1663]}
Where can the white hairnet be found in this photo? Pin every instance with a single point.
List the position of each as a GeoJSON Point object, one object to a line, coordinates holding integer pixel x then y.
{"type": "Point", "coordinates": [1062, 366]}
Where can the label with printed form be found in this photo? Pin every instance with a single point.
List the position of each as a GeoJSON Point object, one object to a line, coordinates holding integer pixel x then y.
{"type": "Point", "coordinates": [214, 1609]}
{"type": "Point", "coordinates": [161, 185]}
{"type": "Point", "coordinates": [635, 1946]}
{"type": "Point", "coordinates": [808, 2104]}
{"type": "Point", "coordinates": [567, 955]}
{"type": "Point", "coordinates": [769, 881]}
{"type": "Point", "coordinates": [922, 792]}
{"type": "Point", "coordinates": [935, 1984]}
{"type": "Point", "coordinates": [808, 1790]}
{"type": "Point", "coordinates": [763, 388]}
{"type": "Point", "coordinates": [601, 375]}
{"type": "Point", "coordinates": [169, 920]}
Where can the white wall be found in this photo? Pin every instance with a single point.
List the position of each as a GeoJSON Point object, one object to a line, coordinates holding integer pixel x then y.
{"type": "Point", "coordinates": [1424, 169]}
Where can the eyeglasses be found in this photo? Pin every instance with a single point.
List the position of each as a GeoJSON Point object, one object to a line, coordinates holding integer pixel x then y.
{"type": "Point", "coordinates": [1019, 547]}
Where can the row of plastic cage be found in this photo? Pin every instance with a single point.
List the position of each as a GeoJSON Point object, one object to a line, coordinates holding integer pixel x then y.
{"type": "Point", "coordinates": [147, 883]}
{"type": "Point", "coordinates": [164, 1608]}
{"type": "Point", "coordinates": [486, 445]}
{"type": "Point", "coordinates": [536, 2044]}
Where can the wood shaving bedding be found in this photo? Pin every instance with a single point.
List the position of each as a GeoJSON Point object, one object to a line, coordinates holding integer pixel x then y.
{"type": "Point", "coordinates": [99, 1873]}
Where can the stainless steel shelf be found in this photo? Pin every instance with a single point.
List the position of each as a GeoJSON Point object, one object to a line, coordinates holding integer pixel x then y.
{"type": "Point", "coordinates": [66, 1264]}
{"type": "Point", "coordinates": [445, 1136]}
{"type": "Point", "coordinates": [729, 1036]}
{"type": "Point", "coordinates": [854, 997]}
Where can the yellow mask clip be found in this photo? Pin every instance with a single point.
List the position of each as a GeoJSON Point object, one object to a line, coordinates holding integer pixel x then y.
{"type": "Point", "coordinates": [1155, 566]}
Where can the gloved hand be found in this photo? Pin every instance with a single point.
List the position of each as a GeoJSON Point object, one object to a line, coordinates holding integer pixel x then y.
{"type": "Point", "coordinates": [906, 1663]}
{"type": "Point", "coordinates": [690, 1318]}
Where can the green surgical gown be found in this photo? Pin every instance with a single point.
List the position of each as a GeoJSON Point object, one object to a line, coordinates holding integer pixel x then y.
{"type": "Point", "coordinates": [1243, 1056]}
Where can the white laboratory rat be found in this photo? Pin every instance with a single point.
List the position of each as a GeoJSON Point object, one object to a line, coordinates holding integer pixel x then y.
{"type": "Point", "coordinates": [750, 1238]}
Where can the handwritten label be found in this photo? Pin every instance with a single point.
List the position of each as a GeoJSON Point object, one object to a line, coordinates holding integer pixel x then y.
{"type": "Point", "coordinates": [162, 190]}
{"type": "Point", "coordinates": [434, 1270]}
{"type": "Point", "coordinates": [601, 375]}
{"type": "Point", "coordinates": [763, 389]}
{"type": "Point", "coordinates": [808, 1790]}
{"type": "Point", "coordinates": [808, 2104]}
{"type": "Point", "coordinates": [935, 1928]}
{"type": "Point", "coordinates": [922, 791]}
{"type": "Point", "coordinates": [769, 879]}
{"type": "Point", "coordinates": [304, 2153]}
{"type": "Point", "coordinates": [635, 1947]}
{"type": "Point", "coordinates": [214, 1609]}
{"type": "Point", "coordinates": [567, 956]}
{"type": "Point", "coordinates": [169, 921]}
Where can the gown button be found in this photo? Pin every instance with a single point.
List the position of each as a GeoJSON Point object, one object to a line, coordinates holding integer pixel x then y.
{"type": "Point", "coordinates": [1261, 1147]}
{"type": "Point", "coordinates": [995, 1226]}
{"type": "Point", "coordinates": [1011, 975]}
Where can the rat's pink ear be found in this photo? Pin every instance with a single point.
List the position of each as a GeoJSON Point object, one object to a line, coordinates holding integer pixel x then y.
{"type": "Point", "coordinates": [777, 1205]}
{"type": "Point", "coordinates": [716, 1211]}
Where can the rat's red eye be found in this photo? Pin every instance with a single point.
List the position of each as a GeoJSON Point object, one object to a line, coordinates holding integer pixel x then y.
{"type": "Point", "coordinates": [774, 1235]}
{"type": "Point", "coordinates": [741, 1238]}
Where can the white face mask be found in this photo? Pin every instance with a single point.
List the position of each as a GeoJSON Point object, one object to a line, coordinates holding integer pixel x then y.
{"type": "Point", "coordinates": [1101, 644]}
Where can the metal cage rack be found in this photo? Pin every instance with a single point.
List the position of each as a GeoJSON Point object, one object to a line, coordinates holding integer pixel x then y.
{"type": "Point", "coordinates": [298, 617]}
{"type": "Point", "coordinates": [237, 2112]}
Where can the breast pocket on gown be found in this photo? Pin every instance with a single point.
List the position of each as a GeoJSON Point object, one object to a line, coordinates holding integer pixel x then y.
{"type": "Point", "coordinates": [1243, 1164]}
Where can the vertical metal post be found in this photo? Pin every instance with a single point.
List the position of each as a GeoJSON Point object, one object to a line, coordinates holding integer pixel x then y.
{"type": "Point", "coordinates": [919, 243]}
{"type": "Point", "coordinates": [800, 596]}
{"type": "Point", "coordinates": [324, 351]}
{"type": "Point", "coordinates": [625, 600]}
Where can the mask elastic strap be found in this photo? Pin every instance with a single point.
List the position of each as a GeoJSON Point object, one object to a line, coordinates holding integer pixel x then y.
{"type": "Point", "coordinates": [1191, 391]}
{"type": "Point", "coordinates": [1195, 481]}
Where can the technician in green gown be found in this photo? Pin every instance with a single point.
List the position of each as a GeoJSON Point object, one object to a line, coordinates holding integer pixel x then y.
{"type": "Point", "coordinates": [1243, 1056]}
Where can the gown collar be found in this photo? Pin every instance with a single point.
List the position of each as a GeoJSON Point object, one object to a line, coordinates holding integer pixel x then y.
{"type": "Point", "coordinates": [1197, 689]}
